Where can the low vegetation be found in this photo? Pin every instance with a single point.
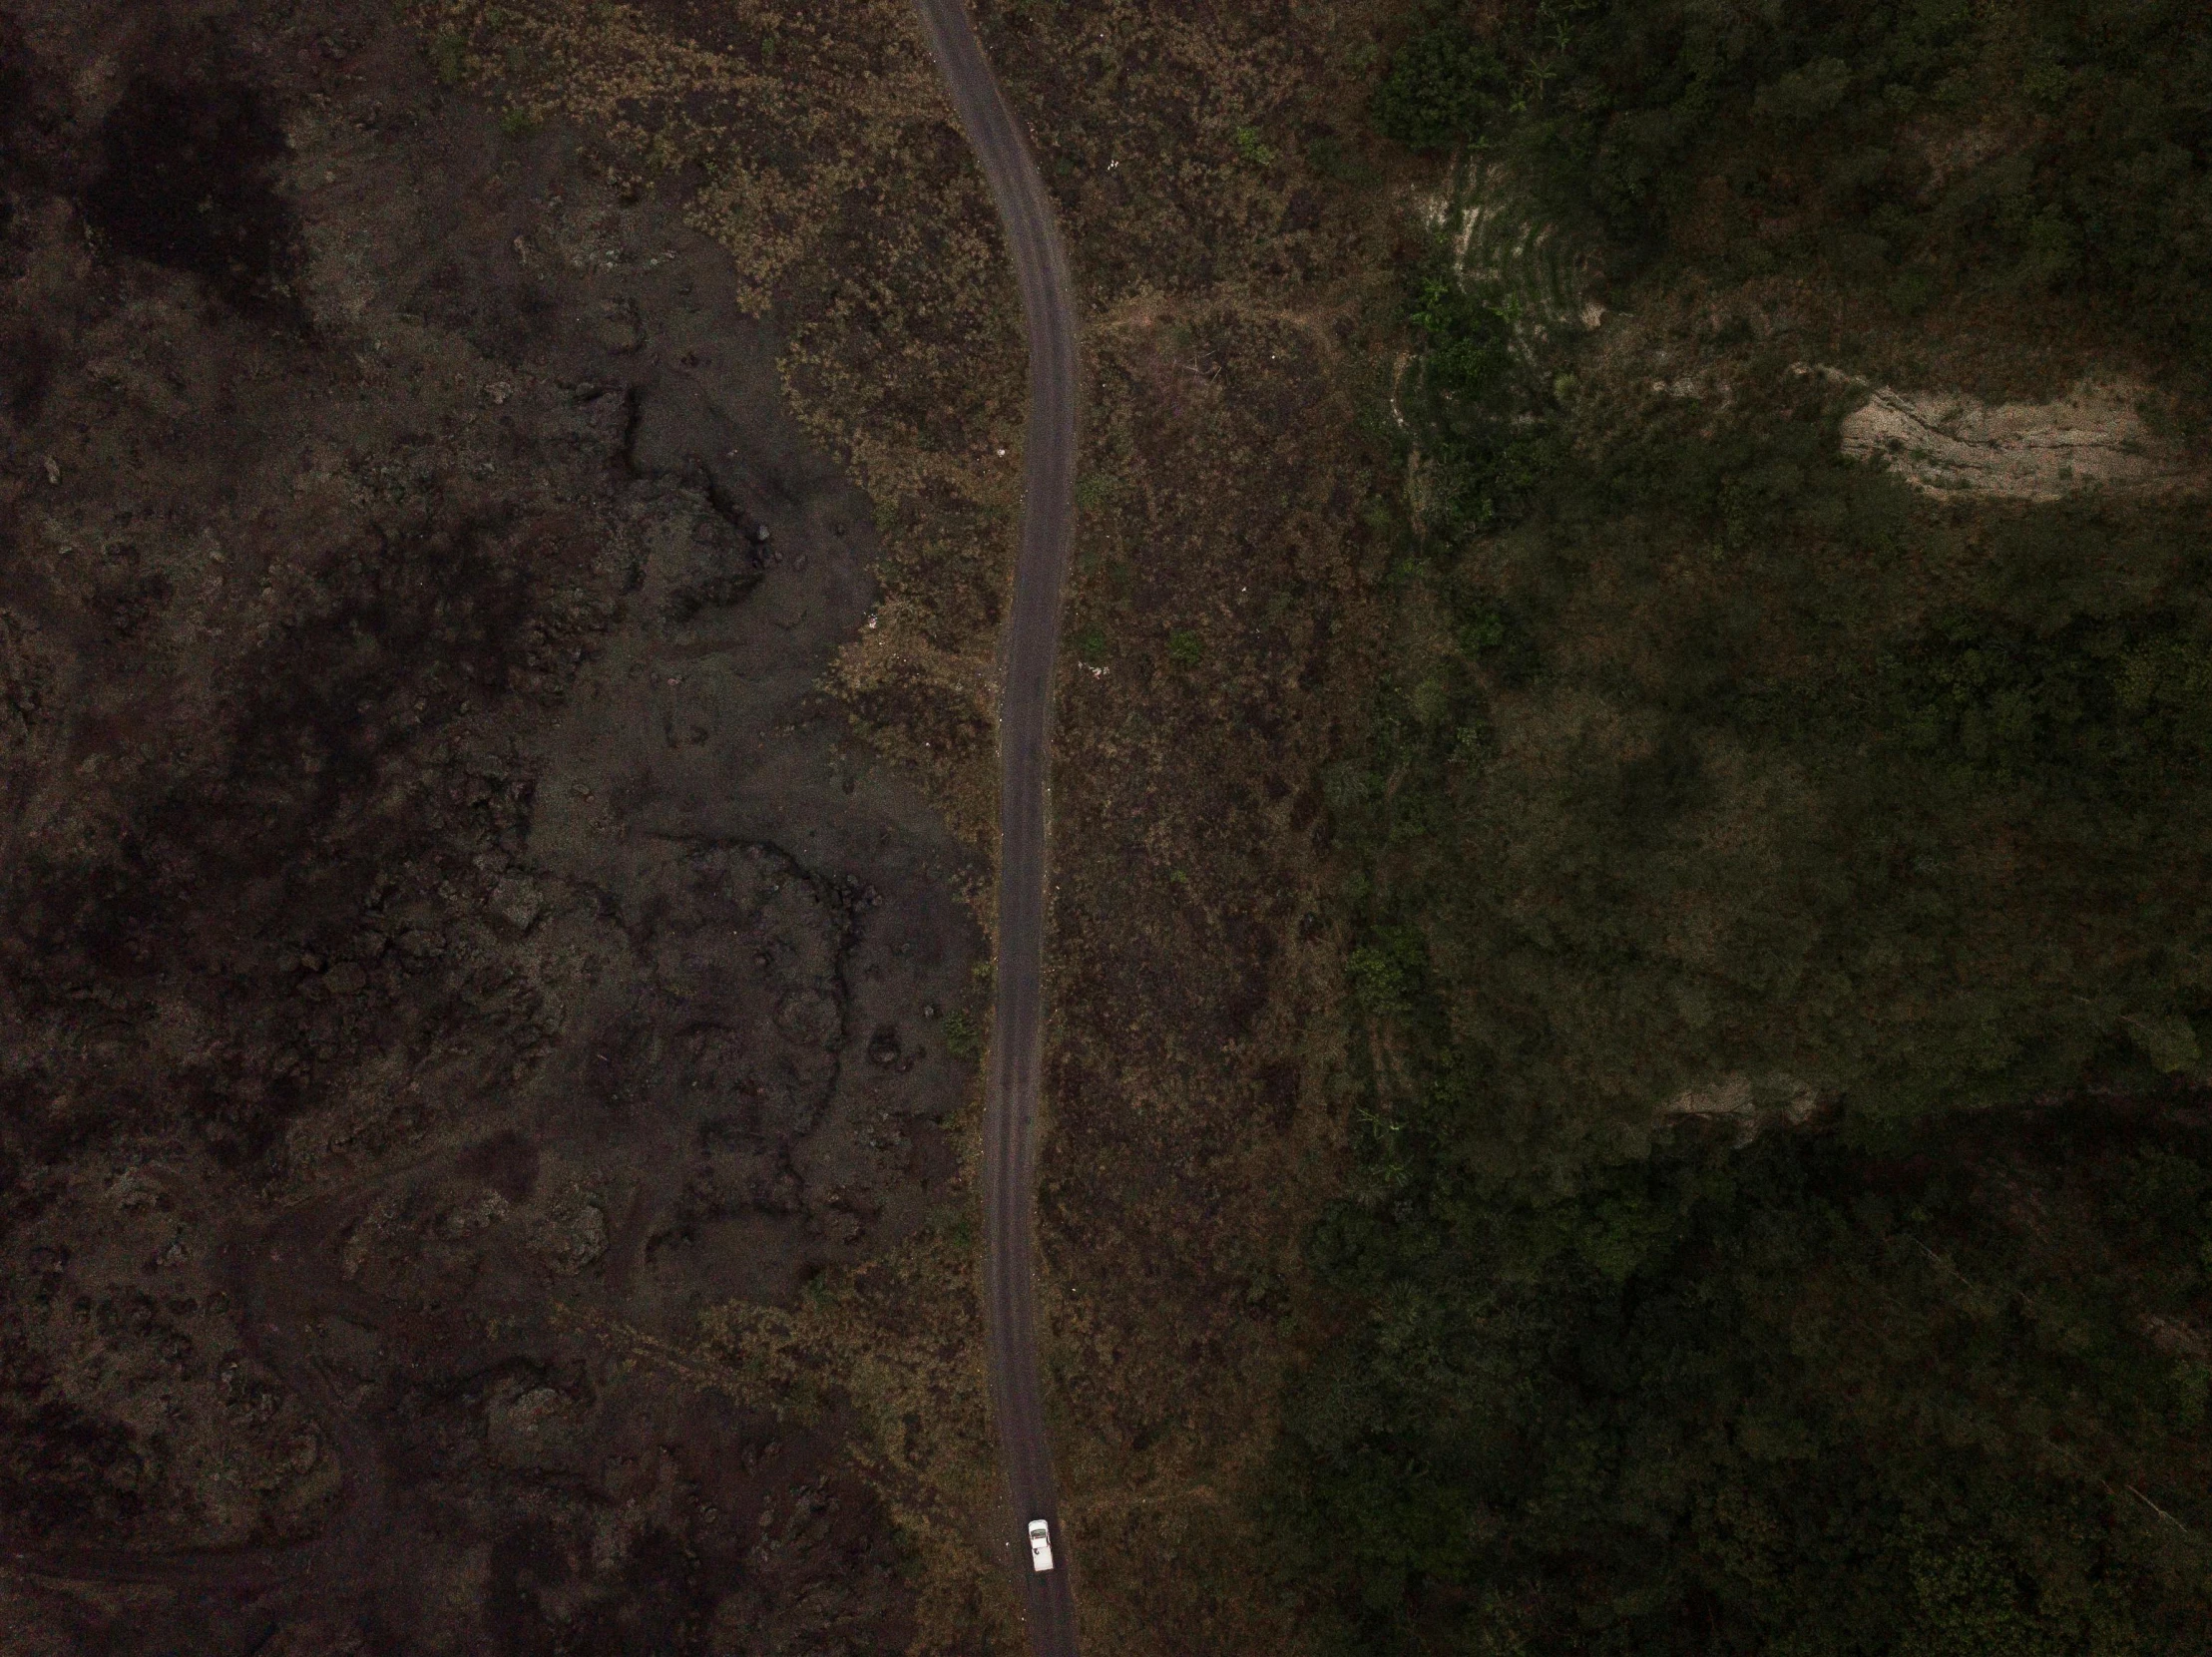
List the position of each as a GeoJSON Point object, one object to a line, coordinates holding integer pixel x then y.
{"type": "Point", "coordinates": [1223, 579]}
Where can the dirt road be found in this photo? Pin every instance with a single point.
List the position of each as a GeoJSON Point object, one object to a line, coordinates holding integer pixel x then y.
{"type": "Point", "coordinates": [1025, 723]}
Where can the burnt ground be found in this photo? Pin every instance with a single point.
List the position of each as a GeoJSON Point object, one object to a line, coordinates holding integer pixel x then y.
{"type": "Point", "coordinates": [439, 918]}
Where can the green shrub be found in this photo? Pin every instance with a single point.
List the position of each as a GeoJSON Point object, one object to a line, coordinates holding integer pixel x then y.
{"type": "Point", "coordinates": [962, 1038]}
{"type": "Point", "coordinates": [1251, 148]}
{"type": "Point", "coordinates": [1378, 983]}
{"type": "Point", "coordinates": [1797, 100]}
{"type": "Point", "coordinates": [1472, 405]}
{"type": "Point", "coordinates": [1330, 155]}
{"type": "Point", "coordinates": [1444, 87]}
{"type": "Point", "coordinates": [449, 57]}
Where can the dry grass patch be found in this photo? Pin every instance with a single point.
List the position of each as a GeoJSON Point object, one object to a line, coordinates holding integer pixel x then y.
{"type": "Point", "coordinates": [1219, 645]}
{"type": "Point", "coordinates": [815, 145]}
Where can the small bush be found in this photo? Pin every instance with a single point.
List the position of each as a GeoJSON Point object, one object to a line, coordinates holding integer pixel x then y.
{"type": "Point", "coordinates": [1332, 158]}
{"type": "Point", "coordinates": [1442, 88]}
{"type": "Point", "coordinates": [449, 57]}
{"type": "Point", "coordinates": [1378, 983]}
{"type": "Point", "coordinates": [1799, 99]}
{"type": "Point", "coordinates": [1184, 651]}
{"type": "Point", "coordinates": [1484, 633]}
{"type": "Point", "coordinates": [957, 1226]}
{"type": "Point", "coordinates": [962, 1040]}
{"type": "Point", "coordinates": [1909, 292]}
{"type": "Point", "coordinates": [1470, 403]}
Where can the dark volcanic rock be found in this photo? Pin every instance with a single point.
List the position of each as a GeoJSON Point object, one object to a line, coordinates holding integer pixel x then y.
{"type": "Point", "coordinates": [437, 919]}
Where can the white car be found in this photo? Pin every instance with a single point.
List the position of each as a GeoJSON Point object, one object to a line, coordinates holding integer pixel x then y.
{"type": "Point", "coordinates": [1041, 1546]}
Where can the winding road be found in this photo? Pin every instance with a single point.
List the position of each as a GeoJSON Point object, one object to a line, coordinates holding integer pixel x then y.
{"type": "Point", "coordinates": [1025, 729]}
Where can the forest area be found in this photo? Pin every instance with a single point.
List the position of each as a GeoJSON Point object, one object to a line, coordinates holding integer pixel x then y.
{"type": "Point", "coordinates": [1781, 1217]}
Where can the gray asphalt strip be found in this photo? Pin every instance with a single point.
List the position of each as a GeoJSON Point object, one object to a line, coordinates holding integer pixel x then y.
{"type": "Point", "coordinates": [1025, 732]}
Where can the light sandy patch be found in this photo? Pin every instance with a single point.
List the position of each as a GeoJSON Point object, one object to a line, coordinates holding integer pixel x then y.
{"type": "Point", "coordinates": [1501, 245]}
{"type": "Point", "coordinates": [1751, 1103]}
{"type": "Point", "coordinates": [1504, 253]}
{"type": "Point", "coordinates": [1954, 446]}
{"type": "Point", "coordinates": [1729, 1097]}
{"type": "Point", "coordinates": [1951, 154]}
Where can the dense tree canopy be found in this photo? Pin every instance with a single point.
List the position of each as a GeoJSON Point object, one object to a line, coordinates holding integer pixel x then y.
{"type": "Point", "coordinates": [1729, 757]}
{"type": "Point", "coordinates": [1925, 147]}
{"type": "Point", "coordinates": [1783, 1398]}
{"type": "Point", "coordinates": [1782, 901]}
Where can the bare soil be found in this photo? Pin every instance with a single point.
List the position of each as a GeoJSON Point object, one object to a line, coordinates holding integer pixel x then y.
{"type": "Point", "coordinates": [2095, 438]}
{"type": "Point", "coordinates": [439, 918]}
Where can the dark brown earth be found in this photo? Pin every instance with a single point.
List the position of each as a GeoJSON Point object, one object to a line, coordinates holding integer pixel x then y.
{"type": "Point", "coordinates": [440, 923]}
